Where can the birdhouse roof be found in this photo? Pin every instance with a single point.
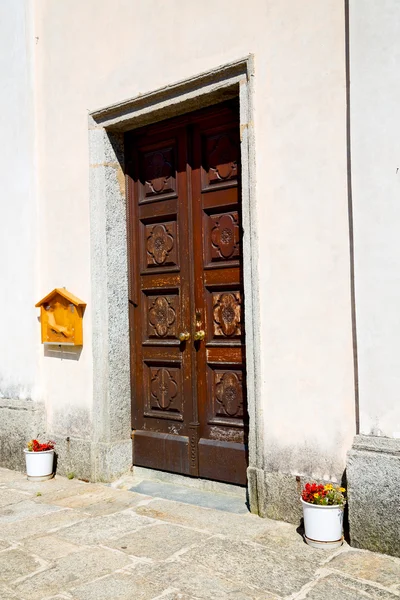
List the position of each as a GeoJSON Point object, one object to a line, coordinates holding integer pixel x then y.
{"type": "Point", "coordinates": [65, 294]}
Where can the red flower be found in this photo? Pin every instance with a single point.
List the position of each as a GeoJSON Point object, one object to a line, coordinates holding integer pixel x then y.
{"type": "Point", "coordinates": [310, 489]}
{"type": "Point", "coordinates": [36, 446]}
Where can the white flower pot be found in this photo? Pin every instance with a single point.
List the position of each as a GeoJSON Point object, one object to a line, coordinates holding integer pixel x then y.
{"type": "Point", "coordinates": [39, 465]}
{"type": "Point", "coordinates": [323, 525]}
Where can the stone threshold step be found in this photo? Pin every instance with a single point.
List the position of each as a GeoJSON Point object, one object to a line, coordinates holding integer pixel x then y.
{"type": "Point", "coordinates": [199, 492]}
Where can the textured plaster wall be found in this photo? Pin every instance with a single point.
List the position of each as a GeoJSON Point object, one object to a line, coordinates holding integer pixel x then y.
{"type": "Point", "coordinates": [375, 134]}
{"type": "Point", "coordinates": [18, 224]}
{"type": "Point", "coordinates": [91, 54]}
{"type": "Point", "coordinates": [304, 241]}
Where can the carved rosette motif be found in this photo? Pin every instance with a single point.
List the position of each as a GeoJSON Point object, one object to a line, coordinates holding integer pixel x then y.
{"type": "Point", "coordinates": [160, 242]}
{"type": "Point", "coordinates": [162, 316]}
{"type": "Point", "coordinates": [229, 394]}
{"type": "Point", "coordinates": [227, 314]}
{"type": "Point", "coordinates": [225, 236]}
{"type": "Point", "coordinates": [158, 170]}
{"type": "Point", "coordinates": [222, 158]}
{"type": "Point", "coordinates": [164, 388]}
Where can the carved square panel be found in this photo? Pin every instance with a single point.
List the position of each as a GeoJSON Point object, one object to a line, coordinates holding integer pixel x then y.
{"type": "Point", "coordinates": [163, 389]}
{"type": "Point", "coordinates": [160, 245]}
{"type": "Point", "coordinates": [221, 154]}
{"type": "Point", "coordinates": [222, 238]}
{"type": "Point", "coordinates": [158, 176]}
{"type": "Point", "coordinates": [228, 396]}
{"type": "Point", "coordinates": [162, 316]}
{"type": "Point", "coordinates": [226, 315]}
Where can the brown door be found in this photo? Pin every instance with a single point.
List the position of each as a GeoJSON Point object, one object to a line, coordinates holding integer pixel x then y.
{"type": "Point", "coordinates": [186, 299]}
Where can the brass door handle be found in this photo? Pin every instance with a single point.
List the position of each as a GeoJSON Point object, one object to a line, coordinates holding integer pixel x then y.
{"type": "Point", "coordinates": [199, 335]}
{"type": "Point", "coordinates": [184, 336]}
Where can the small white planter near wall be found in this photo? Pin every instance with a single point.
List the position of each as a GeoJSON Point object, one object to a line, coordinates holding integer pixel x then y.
{"type": "Point", "coordinates": [39, 465]}
{"type": "Point", "coordinates": [323, 525]}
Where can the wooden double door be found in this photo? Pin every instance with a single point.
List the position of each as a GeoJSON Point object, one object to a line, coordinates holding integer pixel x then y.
{"type": "Point", "coordinates": [186, 297]}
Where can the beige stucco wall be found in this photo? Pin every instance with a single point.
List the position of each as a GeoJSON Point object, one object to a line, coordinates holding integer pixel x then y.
{"type": "Point", "coordinates": [91, 54]}
{"type": "Point", "coordinates": [19, 375]}
{"type": "Point", "coordinates": [306, 325]}
{"type": "Point", "coordinates": [375, 135]}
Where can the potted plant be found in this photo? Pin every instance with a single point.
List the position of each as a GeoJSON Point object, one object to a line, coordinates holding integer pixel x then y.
{"type": "Point", "coordinates": [39, 460]}
{"type": "Point", "coordinates": [323, 507]}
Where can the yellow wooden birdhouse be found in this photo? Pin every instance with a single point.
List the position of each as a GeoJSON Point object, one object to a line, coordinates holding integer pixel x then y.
{"type": "Point", "coordinates": [61, 316]}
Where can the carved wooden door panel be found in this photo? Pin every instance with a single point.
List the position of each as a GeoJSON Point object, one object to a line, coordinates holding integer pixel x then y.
{"type": "Point", "coordinates": [220, 356]}
{"type": "Point", "coordinates": [161, 366]}
{"type": "Point", "coordinates": [186, 299]}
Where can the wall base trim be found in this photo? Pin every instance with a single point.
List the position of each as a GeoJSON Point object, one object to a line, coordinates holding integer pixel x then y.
{"type": "Point", "coordinates": [373, 476]}
{"type": "Point", "coordinates": [20, 421]}
{"type": "Point", "coordinates": [92, 461]}
{"type": "Point", "coordinates": [111, 460]}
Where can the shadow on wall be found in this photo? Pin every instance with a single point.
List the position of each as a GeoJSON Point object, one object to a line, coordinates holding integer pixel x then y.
{"type": "Point", "coordinates": [63, 352]}
{"type": "Point", "coordinates": [346, 526]}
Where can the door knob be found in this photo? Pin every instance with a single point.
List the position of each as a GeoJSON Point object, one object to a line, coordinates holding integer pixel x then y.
{"type": "Point", "coordinates": [184, 336]}
{"type": "Point", "coordinates": [199, 335]}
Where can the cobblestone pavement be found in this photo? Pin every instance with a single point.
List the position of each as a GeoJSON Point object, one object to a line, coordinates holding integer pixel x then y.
{"type": "Point", "coordinates": [64, 539]}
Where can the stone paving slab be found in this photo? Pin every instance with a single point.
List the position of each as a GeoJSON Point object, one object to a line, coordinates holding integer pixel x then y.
{"type": "Point", "coordinates": [99, 530]}
{"type": "Point", "coordinates": [380, 569]}
{"type": "Point", "coordinates": [8, 475]}
{"type": "Point", "coordinates": [6, 593]}
{"type": "Point", "coordinates": [119, 586]}
{"type": "Point", "coordinates": [252, 565]}
{"type": "Point", "coordinates": [288, 543]}
{"type": "Point", "coordinates": [79, 541]}
{"type": "Point", "coordinates": [347, 589]}
{"type": "Point", "coordinates": [273, 534]}
{"type": "Point", "coordinates": [56, 494]}
{"type": "Point", "coordinates": [175, 596]}
{"type": "Point", "coordinates": [94, 503]}
{"type": "Point", "coordinates": [4, 545]}
{"type": "Point", "coordinates": [236, 526]}
{"type": "Point", "coordinates": [16, 563]}
{"type": "Point", "coordinates": [70, 571]}
{"type": "Point", "coordinates": [146, 542]}
{"type": "Point", "coordinates": [21, 483]}
{"type": "Point", "coordinates": [9, 497]}
{"type": "Point", "coordinates": [60, 597]}
{"type": "Point", "coordinates": [34, 527]}
{"type": "Point", "coordinates": [198, 581]}
{"type": "Point", "coordinates": [50, 547]}
{"type": "Point", "coordinates": [24, 510]}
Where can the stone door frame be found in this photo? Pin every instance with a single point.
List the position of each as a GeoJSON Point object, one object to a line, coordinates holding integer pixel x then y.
{"type": "Point", "coordinates": [109, 260]}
